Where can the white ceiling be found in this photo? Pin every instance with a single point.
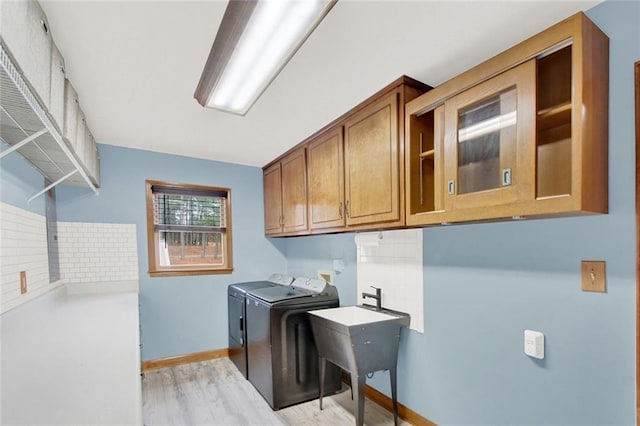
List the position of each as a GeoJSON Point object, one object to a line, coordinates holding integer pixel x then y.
{"type": "Point", "coordinates": [135, 66]}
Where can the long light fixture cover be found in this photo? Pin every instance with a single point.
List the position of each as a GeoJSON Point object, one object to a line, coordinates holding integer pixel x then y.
{"type": "Point", "coordinates": [255, 41]}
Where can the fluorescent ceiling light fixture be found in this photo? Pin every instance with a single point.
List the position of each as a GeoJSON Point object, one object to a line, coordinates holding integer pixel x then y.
{"type": "Point", "coordinates": [255, 41]}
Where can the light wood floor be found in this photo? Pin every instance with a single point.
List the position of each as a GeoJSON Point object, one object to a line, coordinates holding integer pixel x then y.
{"type": "Point", "coordinates": [215, 393]}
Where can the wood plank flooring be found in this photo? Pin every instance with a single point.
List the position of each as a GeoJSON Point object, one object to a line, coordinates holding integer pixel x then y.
{"type": "Point", "coordinates": [215, 393]}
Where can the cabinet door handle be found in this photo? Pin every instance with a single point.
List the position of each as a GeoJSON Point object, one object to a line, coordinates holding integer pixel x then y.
{"type": "Point", "coordinates": [451, 187]}
{"type": "Point", "coordinates": [44, 26]}
{"type": "Point", "coordinates": [506, 177]}
{"type": "Point", "coordinates": [347, 209]}
{"type": "Point", "coordinates": [340, 210]}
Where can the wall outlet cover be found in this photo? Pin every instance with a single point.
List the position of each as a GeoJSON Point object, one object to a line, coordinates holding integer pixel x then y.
{"type": "Point", "coordinates": [23, 282]}
{"type": "Point", "coordinates": [326, 276]}
{"type": "Point", "coordinates": [534, 344]}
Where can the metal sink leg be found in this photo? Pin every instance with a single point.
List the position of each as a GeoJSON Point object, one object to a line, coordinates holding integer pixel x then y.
{"type": "Point", "coordinates": [394, 382]}
{"type": "Point", "coordinates": [358, 387]}
{"type": "Point", "coordinates": [322, 364]}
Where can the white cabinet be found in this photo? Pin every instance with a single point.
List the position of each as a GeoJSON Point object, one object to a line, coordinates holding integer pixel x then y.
{"type": "Point", "coordinates": [56, 98]}
{"type": "Point", "coordinates": [71, 108]}
{"type": "Point", "coordinates": [25, 31]}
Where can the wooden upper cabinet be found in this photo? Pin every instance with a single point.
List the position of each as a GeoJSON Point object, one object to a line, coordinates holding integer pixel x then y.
{"type": "Point", "coordinates": [325, 170]}
{"type": "Point", "coordinates": [524, 134]}
{"type": "Point", "coordinates": [356, 164]}
{"type": "Point", "coordinates": [272, 181]}
{"type": "Point", "coordinates": [285, 195]}
{"type": "Point", "coordinates": [372, 179]}
{"type": "Point", "coordinates": [354, 170]}
{"type": "Point", "coordinates": [294, 192]}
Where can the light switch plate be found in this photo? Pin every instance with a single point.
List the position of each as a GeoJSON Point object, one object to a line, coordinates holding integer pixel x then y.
{"type": "Point", "coordinates": [594, 276]}
{"type": "Point", "coordinates": [534, 344]}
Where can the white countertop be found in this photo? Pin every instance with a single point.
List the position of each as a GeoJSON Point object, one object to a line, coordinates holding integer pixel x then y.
{"type": "Point", "coordinates": [351, 315]}
{"type": "Point", "coordinates": [72, 359]}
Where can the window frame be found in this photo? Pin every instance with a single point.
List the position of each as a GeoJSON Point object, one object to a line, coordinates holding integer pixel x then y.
{"type": "Point", "coordinates": [157, 270]}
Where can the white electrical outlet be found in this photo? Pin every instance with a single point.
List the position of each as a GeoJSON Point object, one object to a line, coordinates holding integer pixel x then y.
{"type": "Point", "coordinates": [534, 344]}
{"type": "Point", "coordinates": [326, 276]}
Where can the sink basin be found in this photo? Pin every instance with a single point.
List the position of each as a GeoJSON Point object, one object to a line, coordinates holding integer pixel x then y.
{"type": "Point", "coordinates": [361, 340]}
{"type": "Point", "coordinates": [358, 338]}
{"type": "Point", "coordinates": [349, 316]}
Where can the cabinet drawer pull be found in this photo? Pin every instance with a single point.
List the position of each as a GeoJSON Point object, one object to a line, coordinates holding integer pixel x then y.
{"type": "Point", "coordinates": [506, 177]}
{"type": "Point", "coordinates": [451, 187]}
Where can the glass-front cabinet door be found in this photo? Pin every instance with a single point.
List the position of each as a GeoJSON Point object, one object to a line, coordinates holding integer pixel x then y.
{"type": "Point", "coordinates": [490, 141]}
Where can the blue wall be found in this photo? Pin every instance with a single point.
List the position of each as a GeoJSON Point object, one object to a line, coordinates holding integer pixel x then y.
{"type": "Point", "coordinates": [307, 255]}
{"type": "Point", "coordinates": [179, 315]}
{"type": "Point", "coordinates": [485, 283]}
{"type": "Point", "coordinates": [19, 181]}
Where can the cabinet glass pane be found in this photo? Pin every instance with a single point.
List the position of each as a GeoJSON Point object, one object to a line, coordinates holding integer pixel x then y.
{"type": "Point", "coordinates": [486, 143]}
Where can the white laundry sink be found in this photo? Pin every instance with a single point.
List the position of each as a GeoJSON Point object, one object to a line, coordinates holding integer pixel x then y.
{"type": "Point", "coordinates": [353, 315]}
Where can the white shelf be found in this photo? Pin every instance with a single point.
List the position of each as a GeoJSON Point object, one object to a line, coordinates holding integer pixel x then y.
{"type": "Point", "coordinates": [21, 117]}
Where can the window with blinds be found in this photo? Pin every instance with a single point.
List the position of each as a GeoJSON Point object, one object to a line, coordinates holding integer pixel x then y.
{"type": "Point", "coordinates": [189, 230]}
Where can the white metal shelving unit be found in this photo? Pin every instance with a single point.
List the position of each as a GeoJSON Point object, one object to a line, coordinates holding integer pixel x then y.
{"type": "Point", "coordinates": [27, 129]}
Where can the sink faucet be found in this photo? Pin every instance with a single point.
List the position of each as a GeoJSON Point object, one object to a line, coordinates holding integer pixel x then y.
{"type": "Point", "coordinates": [377, 296]}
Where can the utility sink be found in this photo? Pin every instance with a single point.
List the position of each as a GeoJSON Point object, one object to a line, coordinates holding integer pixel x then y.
{"type": "Point", "coordinates": [360, 340]}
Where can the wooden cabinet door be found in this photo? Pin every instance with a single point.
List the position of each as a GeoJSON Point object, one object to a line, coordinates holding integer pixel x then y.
{"type": "Point", "coordinates": [325, 170]}
{"type": "Point", "coordinates": [272, 181]}
{"type": "Point", "coordinates": [371, 151]}
{"type": "Point", "coordinates": [294, 192]}
{"type": "Point", "coordinates": [490, 141]}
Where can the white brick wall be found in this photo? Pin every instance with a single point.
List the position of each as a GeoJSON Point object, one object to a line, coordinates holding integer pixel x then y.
{"type": "Point", "coordinates": [89, 253]}
{"type": "Point", "coordinates": [23, 247]}
{"type": "Point", "coordinates": [393, 263]}
{"type": "Point", "coordinates": [97, 252]}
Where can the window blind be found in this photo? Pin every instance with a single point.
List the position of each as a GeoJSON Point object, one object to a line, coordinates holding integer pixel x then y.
{"type": "Point", "coordinates": [179, 210]}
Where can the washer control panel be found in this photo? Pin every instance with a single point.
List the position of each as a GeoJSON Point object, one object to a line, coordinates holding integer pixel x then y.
{"type": "Point", "coordinates": [312, 284]}
{"type": "Point", "coordinates": [282, 279]}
